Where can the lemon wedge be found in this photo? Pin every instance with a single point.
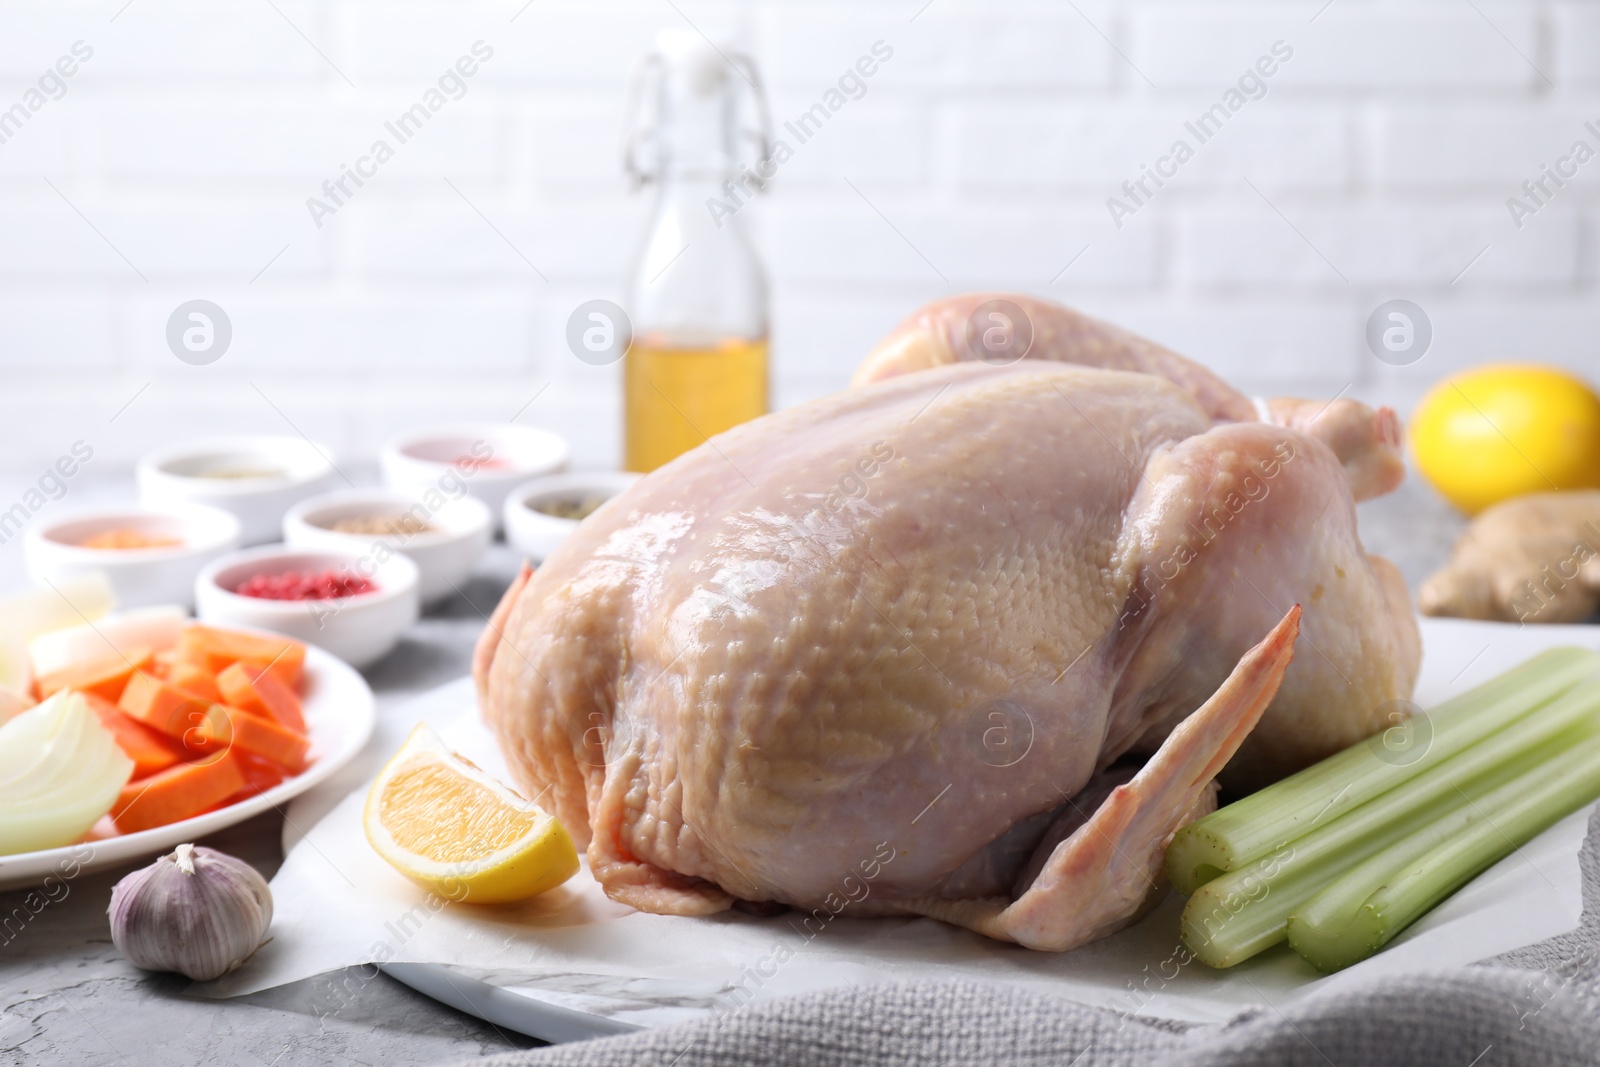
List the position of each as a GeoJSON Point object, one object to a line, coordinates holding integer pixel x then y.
{"type": "Point", "coordinates": [451, 828]}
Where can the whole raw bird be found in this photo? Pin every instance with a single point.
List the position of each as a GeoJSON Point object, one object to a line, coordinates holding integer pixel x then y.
{"type": "Point", "coordinates": [966, 640]}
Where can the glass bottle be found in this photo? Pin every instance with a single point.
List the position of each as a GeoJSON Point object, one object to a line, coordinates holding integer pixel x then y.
{"type": "Point", "coordinates": [697, 297]}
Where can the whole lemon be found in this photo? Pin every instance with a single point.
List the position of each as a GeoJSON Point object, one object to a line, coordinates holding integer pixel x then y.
{"type": "Point", "coordinates": [1507, 430]}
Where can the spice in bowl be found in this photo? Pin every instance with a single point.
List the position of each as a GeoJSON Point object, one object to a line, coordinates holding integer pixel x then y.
{"type": "Point", "coordinates": [473, 464]}
{"type": "Point", "coordinates": [124, 538]}
{"type": "Point", "coordinates": [241, 473]}
{"type": "Point", "coordinates": [306, 585]}
{"type": "Point", "coordinates": [383, 525]}
{"type": "Point", "coordinates": [577, 510]}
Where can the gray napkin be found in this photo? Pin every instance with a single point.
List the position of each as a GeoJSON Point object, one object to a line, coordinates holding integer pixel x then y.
{"type": "Point", "coordinates": [1537, 1005]}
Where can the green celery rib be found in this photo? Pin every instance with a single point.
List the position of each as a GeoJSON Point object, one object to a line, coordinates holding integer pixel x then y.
{"type": "Point", "coordinates": [1359, 913]}
{"type": "Point", "coordinates": [1264, 822]}
{"type": "Point", "coordinates": [1246, 911]}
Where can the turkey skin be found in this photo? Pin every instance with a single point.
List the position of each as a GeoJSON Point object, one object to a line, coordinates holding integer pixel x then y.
{"type": "Point", "coordinates": [967, 641]}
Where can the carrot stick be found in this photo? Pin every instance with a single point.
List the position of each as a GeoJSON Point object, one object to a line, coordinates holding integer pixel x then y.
{"type": "Point", "coordinates": [102, 677]}
{"type": "Point", "coordinates": [215, 649]}
{"type": "Point", "coordinates": [150, 750]}
{"type": "Point", "coordinates": [177, 793]}
{"type": "Point", "coordinates": [262, 693]}
{"type": "Point", "coordinates": [195, 680]}
{"type": "Point", "coordinates": [234, 683]}
{"type": "Point", "coordinates": [283, 700]}
{"type": "Point", "coordinates": [204, 727]}
{"type": "Point", "coordinates": [231, 728]}
{"type": "Point", "coordinates": [165, 708]}
{"type": "Point", "coordinates": [161, 663]}
{"type": "Point", "coordinates": [260, 774]}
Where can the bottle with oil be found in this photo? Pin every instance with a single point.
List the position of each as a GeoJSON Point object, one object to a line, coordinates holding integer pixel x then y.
{"type": "Point", "coordinates": [697, 296]}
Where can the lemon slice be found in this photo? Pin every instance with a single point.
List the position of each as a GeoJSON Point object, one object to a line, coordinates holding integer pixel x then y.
{"type": "Point", "coordinates": [455, 830]}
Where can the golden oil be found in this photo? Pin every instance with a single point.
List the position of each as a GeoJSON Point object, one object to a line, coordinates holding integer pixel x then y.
{"type": "Point", "coordinates": [676, 396]}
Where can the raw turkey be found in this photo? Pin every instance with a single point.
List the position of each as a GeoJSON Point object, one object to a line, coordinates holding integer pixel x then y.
{"type": "Point", "coordinates": [966, 640]}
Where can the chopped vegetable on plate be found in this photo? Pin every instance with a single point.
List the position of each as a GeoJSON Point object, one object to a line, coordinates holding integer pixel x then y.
{"type": "Point", "coordinates": [147, 719]}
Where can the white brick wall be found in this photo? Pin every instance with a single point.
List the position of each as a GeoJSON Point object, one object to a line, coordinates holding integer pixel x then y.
{"type": "Point", "coordinates": [1382, 151]}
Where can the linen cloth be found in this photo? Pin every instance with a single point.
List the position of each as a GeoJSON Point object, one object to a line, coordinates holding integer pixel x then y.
{"type": "Point", "coordinates": [1539, 1005]}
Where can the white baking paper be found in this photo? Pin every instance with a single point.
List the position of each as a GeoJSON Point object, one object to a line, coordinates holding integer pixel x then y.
{"type": "Point", "coordinates": [338, 905]}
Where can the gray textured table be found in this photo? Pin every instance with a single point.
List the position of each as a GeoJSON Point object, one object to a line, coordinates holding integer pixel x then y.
{"type": "Point", "coordinates": [66, 996]}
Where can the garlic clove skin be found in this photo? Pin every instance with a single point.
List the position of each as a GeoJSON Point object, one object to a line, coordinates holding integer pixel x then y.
{"type": "Point", "coordinates": [196, 911]}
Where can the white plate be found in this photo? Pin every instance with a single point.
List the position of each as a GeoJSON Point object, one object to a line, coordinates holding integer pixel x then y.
{"type": "Point", "coordinates": [573, 964]}
{"type": "Point", "coordinates": [339, 716]}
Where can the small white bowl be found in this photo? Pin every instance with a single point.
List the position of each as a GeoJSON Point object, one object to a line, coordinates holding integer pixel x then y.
{"type": "Point", "coordinates": [538, 534]}
{"type": "Point", "coordinates": [488, 459]}
{"type": "Point", "coordinates": [358, 629]}
{"type": "Point", "coordinates": [462, 529]}
{"type": "Point", "coordinates": [293, 469]}
{"type": "Point", "coordinates": [140, 577]}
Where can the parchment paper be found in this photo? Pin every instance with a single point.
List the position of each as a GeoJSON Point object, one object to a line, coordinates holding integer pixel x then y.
{"type": "Point", "coordinates": [339, 905]}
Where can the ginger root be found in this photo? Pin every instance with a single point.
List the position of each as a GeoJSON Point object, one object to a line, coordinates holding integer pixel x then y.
{"type": "Point", "coordinates": [1530, 559]}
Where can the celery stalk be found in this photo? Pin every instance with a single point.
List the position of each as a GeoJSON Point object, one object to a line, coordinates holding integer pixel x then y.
{"type": "Point", "coordinates": [1264, 822]}
{"type": "Point", "coordinates": [1359, 913]}
{"type": "Point", "coordinates": [1244, 912]}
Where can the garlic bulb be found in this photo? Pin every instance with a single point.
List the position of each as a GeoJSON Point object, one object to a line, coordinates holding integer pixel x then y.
{"type": "Point", "coordinates": [199, 912]}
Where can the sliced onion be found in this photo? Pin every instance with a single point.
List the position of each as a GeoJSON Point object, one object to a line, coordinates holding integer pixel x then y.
{"type": "Point", "coordinates": [13, 703]}
{"type": "Point", "coordinates": [69, 602]}
{"type": "Point", "coordinates": [60, 771]}
{"type": "Point", "coordinates": [154, 628]}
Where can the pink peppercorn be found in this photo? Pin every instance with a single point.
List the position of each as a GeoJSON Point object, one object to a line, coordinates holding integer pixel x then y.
{"type": "Point", "coordinates": [305, 585]}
